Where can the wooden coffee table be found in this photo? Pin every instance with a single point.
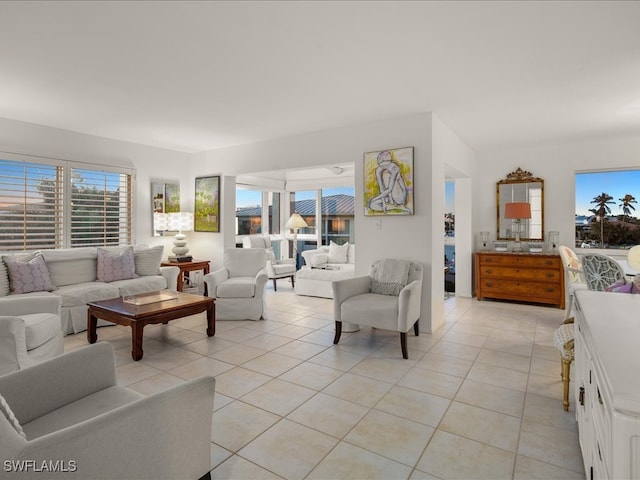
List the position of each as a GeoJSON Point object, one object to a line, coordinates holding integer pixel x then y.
{"type": "Point", "coordinates": [136, 316]}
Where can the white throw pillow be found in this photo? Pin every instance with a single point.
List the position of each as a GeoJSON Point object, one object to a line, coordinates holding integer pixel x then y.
{"type": "Point", "coordinates": [5, 410]}
{"type": "Point", "coordinates": [338, 253]}
{"type": "Point", "coordinates": [147, 260]}
{"type": "Point", "coordinates": [319, 259]}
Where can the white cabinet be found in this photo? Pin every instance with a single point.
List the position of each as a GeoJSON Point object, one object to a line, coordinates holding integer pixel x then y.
{"type": "Point", "coordinates": [607, 383]}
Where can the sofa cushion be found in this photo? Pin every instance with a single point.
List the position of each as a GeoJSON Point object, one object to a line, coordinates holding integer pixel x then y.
{"type": "Point", "coordinates": [82, 293]}
{"type": "Point", "coordinates": [4, 280]}
{"type": "Point", "coordinates": [237, 287]}
{"type": "Point", "coordinates": [68, 266]}
{"type": "Point", "coordinates": [135, 286]}
{"type": "Point", "coordinates": [381, 310]}
{"type": "Point", "coordinates": [147, 260]}
{"type": "Point", "coordinates": [28, 274]}
{"type": "Point", "coordinates": [6, 411]}
{"type": "Point", "coordinates": [338, 253]}
{"type": "Point", "coordinates": [115, 265]}
{"type": "Point", "coordinates": [283, 268]}
{"type": "Point", "coordinates": [40, 328]}
{"type": "Point", "coordinates": [83, 409]}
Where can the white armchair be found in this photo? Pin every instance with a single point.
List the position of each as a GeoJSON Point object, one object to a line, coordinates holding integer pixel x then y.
{"type": "Point", "coordinates": [70, 412]}
{"type": "Point", "coordinates": [238, 286]}
{"type": "Point", "coordinates": [388, 298]}
{"type": "Point", "coordinates": [30, 331]}
{"type": "Point", "coordinates": [285, 268]}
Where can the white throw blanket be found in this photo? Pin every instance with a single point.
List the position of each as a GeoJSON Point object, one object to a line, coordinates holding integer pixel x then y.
{"type": "Point", "coordinates": [390, 276]}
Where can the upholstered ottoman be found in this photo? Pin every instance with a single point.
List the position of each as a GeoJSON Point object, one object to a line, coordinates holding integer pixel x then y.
{"type": "Point", "coordinates": [316, 282]}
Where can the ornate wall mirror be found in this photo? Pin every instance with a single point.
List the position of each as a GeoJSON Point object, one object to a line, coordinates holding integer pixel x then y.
{"type": "Point", "coordinates": [518, 188]}
{"type": "Point", "coordinates": [165, 198]}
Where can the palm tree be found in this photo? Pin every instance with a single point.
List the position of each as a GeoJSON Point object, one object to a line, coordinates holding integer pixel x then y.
{"type": "Point", "coordinates": [626, 206]}
{"type": "Point", "coordinates": [601, 211]}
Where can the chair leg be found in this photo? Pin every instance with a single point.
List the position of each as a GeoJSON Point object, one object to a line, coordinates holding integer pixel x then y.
{"type": "Point", "coordinates": [206, 476]}
{"type": "Point", "coordinates": [566, 367]}
{"type": "Point", "coordinates": [293, 282]}
{"type": "Point", "coordinates": [336, 338]}
{"type": "Point", "coordinates": [275, 288]}
{"type": "Point", "coordinates": [403, 344]}
{"type": "Point", "coordinates": [416, 328]}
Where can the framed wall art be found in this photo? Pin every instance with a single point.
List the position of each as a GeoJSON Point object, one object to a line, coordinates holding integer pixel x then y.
{"type": "Point", "coordinates": [207, 204]}
{"type": "Point", "coordinates": [388, 182]}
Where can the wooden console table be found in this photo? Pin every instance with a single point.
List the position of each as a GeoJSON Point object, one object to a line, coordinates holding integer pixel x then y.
{"type": "Point", "coordinates": [526, 277]}
{"type": "Point", "coordinates": [185, 267]}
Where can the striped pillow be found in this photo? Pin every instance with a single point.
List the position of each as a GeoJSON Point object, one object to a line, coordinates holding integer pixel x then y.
{"type": "Point", "coordinates": [148, 260]}
{"type": "Point", "coordinates": [4, 280]}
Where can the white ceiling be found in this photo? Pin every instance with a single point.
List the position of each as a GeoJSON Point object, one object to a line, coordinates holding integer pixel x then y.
{"type": "Point", "coordinates": [195, 76]}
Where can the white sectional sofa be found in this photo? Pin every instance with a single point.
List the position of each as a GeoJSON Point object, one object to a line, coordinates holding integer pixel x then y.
{"type": "Point", "coordinates": [323, 266]}
{"type": "Point", "coordinates": [74, 275]}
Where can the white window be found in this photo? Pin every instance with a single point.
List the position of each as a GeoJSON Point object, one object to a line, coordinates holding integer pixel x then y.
{"type": "Point", "coordinates": [47, 203]}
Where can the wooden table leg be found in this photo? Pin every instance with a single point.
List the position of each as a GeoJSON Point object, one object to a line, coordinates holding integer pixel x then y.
{"type": "Point", "coordinates": [136, 340]}
{"type": "Point", "coordinates": [211, 320]}
{"type": "Point", "coordinates": [92, 324]}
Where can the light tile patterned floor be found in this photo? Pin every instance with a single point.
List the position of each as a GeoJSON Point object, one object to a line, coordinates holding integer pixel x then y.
{"type": "Point", "coordinates": [480, 398]}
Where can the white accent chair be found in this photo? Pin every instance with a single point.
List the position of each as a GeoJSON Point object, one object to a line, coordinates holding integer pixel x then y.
{"type": "Point", "coordinates": [285, 268]}
{"type": "Point", "coordinates": [71, 410]}
{"type": "Point", "coordinates": [355, 300]}
{"type": "Point", "coordinates": [30, 332]}
{"type": "Point", "coordinates": [573, 276]}
{"type": "Point", "coordinates": [238, 286]}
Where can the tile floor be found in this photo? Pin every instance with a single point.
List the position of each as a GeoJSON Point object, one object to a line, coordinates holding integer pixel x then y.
{"type": "Point", "coordinates": [480, 398]}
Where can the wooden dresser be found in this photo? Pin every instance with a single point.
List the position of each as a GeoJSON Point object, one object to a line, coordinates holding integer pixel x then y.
{"type": "Point", "coordinates": [526, 277]}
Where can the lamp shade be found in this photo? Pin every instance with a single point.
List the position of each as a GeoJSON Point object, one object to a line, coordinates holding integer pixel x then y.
{"type": "Point", "coordinates": [160, 222]}
{"type": "Point", "coordinates": [180, 221]}
{"type": "Point", "coordinates": [295, 221]}
{"type": "Point", "coordinates": [517, 210]}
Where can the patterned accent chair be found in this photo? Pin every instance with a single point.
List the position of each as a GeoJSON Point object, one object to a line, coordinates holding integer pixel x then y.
{"type": "Point", "coordinates": [601, 271]}
{"type": "Point", "coordinates": [573, 276]}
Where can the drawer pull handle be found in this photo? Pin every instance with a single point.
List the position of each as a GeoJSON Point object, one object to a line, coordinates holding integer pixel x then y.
{"type": "Point", "coordinates": [551, 290]}
{"type": "Point", "coordinates": [489, 271]}
{"type": "Point", "coordinates": [581, 396]}
{"type": "Point", "coordinates": [550, 275]}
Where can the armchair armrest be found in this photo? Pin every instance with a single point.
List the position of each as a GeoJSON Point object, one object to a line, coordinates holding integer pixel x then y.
{"type": "Point", "coordinates": [575, 275]}
{"type": "Point", "coordinates": [16, 305]}
{"type": "Point", "coordinates": [166, 435]}
{"type": "Point", "coordinates": [409, 305]}
{"type": "Point", "coordinates": [343, 289]}
{"type": "Point", "coordinates": [213, 279]}
{"type": "Point", "coordinates": [261, 279]}
{"type": "Point", "coordinates": [13, 343]}
{"type": "Point", "coordinates": [65, 378]}
{"type": "Point", "coordinates": [171, 275]}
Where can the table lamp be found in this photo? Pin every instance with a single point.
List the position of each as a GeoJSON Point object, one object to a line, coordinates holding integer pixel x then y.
{"type": "Point", "coordinates": [182, 222]}
{"type": "Point", "coordinates": [517, 211]}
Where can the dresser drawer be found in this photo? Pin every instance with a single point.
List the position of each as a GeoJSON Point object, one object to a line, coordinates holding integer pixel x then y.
{"type": "Point", "coordinates": [508, 289]}
{"type": "Point", "coordinates": [534, 274]}
{"type": "Point", "coordinates": [520, 260]}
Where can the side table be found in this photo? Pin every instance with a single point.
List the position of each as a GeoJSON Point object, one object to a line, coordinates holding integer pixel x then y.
{"type": "Point", "coordinates": [185, 267]}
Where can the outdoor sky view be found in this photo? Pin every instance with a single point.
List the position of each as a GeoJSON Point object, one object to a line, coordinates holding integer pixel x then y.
{"type": "Point", "coordinates": [253, 198]}
{"type": "Point", "coordinates": [617, 184]}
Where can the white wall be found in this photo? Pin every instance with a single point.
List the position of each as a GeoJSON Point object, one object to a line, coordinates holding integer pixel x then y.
{"type": "Point", "coordinates": [410, 237]}
{"type": "Point", "coordinates": [150, 163]}
{"type": "Point", "coordinates": [557, 165]}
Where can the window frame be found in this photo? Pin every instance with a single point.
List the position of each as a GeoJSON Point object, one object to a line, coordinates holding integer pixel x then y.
{"type": "Point", "coordinates": [64, 205]}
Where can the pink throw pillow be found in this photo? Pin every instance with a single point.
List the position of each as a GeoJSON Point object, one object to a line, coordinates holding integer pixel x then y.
{"type": "Point", "coordinates": [28, 274]}
{"type": "Point", "coordinates": [116, 265]}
